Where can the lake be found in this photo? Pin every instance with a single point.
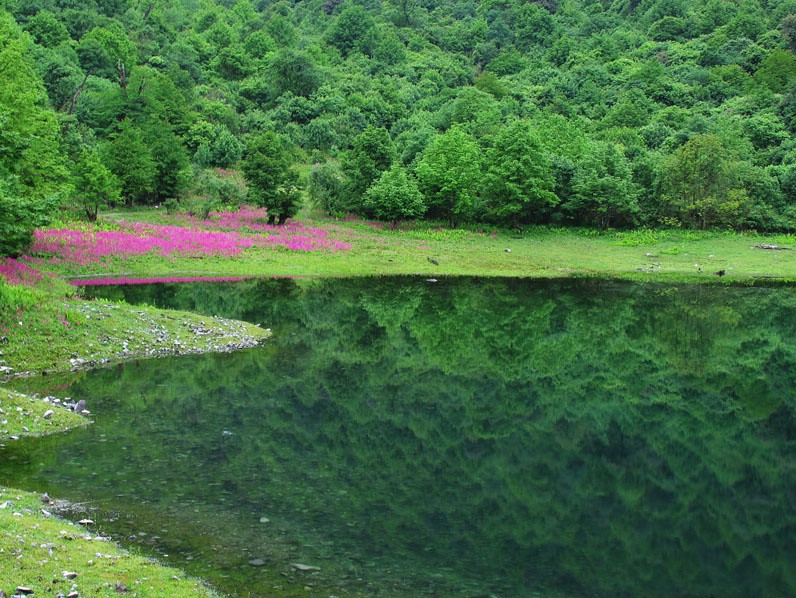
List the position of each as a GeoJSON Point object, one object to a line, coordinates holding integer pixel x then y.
{"type": "Point", "coordinates": [459, 437]}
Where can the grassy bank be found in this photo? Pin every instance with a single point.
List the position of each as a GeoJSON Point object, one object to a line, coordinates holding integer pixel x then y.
{"type": "Point", "coordinates": [426, 250]}
{"type": "Point", "coordinates": [48, 555]}
{"type": "Point", "coordinates": [46, 329]}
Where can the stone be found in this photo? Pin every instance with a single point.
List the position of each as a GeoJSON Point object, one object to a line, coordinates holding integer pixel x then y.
{"type": "Point", "coordinates": [300, 567]}
{"type": "Point", "coordinates": [257, 562]}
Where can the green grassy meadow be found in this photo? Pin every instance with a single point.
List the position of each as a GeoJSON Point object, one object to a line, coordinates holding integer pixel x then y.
{"type": "Point", "coordinates": [427, 250]}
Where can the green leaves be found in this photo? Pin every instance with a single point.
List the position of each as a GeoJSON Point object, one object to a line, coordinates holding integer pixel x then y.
{"type": "Point", "coordinates": [394, 197]}
{"type": "Point", "coordinates": [448, 173]}
{"type": "Point", "coordinates": [273, 184]}
{"type": "Point", "coordinates": [518, 185]}
{"type": "Point", "coordinates": [95, 186]}
{"type": "Point", "coordinates": [32, 172]}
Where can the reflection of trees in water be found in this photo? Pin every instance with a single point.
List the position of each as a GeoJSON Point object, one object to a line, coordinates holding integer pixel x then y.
{"type": "Point", "coordinates": [595, 437]}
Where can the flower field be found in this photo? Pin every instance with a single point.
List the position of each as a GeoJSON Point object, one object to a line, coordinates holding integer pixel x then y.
{"type": "Point", "coordinates": [221, 235]}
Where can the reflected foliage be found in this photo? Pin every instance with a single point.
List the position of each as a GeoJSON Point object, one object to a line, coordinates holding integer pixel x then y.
{"type": "Point", "coordinates": [569, 437]}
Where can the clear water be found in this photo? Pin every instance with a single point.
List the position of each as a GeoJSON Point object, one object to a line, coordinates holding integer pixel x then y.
{"type": "Point", "coordinates": [459, 438]}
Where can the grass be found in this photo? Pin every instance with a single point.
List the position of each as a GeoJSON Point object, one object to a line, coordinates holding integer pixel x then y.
{"type": "Point", "coordinates": [45, 326]}
{"type": "Point", "coordinates": [47, 555]}
{"type": "Point", "coordinates": [428, 250]}
{"type": "Point", "coordinates": [21, 415]}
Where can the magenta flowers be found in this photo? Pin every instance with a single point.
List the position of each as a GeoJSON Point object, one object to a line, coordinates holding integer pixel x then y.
{"type": "Point", "coordinates": [225, 234]}
{"type": "Point", "coordinates": [16, 272]}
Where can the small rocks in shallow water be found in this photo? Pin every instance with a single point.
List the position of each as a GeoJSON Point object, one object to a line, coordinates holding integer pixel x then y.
{"type": "Point", "coordinates": [300, 567]}
{"type": "Point", "coordinates": [257, 562]}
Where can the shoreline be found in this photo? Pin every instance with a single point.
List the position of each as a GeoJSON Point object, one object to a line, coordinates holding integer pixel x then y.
{"type": "Point", "coordinates": [22, 513]}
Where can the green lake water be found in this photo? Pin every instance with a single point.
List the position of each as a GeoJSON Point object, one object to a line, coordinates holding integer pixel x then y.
{"type": "Point", "coordinates": [465, 437]}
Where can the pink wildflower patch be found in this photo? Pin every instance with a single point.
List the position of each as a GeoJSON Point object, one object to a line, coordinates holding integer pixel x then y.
{"type": "Point", "coordinates": [16, 272]}
{"type": "Point", "coordinates": [202, 239]}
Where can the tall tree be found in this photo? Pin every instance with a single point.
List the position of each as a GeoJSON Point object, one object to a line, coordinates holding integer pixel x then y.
{"type": "Point", "coordinates": [448, 173]}
{"type": "Point", "coordinates": [701, 182]}
{"type": "Point", "coordinates": [373, 153]}
{"type": "Point", "coordinates": [94, 186]}
{"type": "Point", "coordinates": [32, 170]}
{"type": "Point", "coordinates": [518, 185]}
{"type": "Point", "coordinates": [603, 190]}
{"type": "Point", "coordinates": [273, 184]}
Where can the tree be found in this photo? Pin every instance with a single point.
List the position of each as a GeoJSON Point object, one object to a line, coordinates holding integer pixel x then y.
{"type": "Point", "coordinates": [448, 174]}
{"type": "Point", "coordinates": [373, 153]}
{"type": "Point", "coordinates": [701, 183]}
{"type": "Point", "coordinates": [273, 184]}
{"type": "Point", "coordinates": [32, 171]}
{"type": "Point", "coordinates": [518, 184]}
{"type": "Point", "coordinates": [294, 71]}
{"type": "Point", "coordinates": [394, 197]}
{"type": "Point", "coordinates": [326, 188]}
{"type": "Point", "coordinates": [353, 30]}
{"type": "Point", "coordinates": [128, 156]}
{"type": "Point", "coordinates": [603, 190]}
{"type": "Point", "coordinates": [94, 186]}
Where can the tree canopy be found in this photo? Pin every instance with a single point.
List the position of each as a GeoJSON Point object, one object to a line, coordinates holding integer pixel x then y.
{"type": "Point", "coordinates": [580, 113]}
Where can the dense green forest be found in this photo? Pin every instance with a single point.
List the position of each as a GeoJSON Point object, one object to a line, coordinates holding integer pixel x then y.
{"type": "Point", "coordinates": [507, 112]}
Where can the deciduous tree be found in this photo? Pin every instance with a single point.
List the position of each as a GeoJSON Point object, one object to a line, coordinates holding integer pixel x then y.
{"type": "Point", "coordinates": [394, 197]}
{"type": "Point", "coordinates": [448, 173]}
{"type": "Point", "coordinates": [273, 184]}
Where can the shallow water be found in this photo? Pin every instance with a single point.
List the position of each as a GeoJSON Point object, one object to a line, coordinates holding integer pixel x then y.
{"type": "Point", "coordinates": [460, 438]}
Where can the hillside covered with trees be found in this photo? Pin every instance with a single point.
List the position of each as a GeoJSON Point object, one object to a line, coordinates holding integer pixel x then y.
{"type": "Point", "coordinates": [617, 113]}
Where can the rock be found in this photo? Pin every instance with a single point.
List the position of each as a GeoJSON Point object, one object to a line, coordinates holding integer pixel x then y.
{"type": "Point", "coordinates": [770, 247]}
{"type": "Point", "coordinates": [48, 414]}
{"type": "Point", "coordinates": [86, 522]}
{"type": "Point", "coordinates": [257, 562]}
{"type": "Point", "coordinates": [45, 498]}
{"type": "Point", "coordinates": [79, 406]}
{"type": "Point", "coordinates": [24, 590]}
{"type": "Point", "coordinates": [69, 574]}
{"type": "Point", "coordinates": [264, 520]}
{"type": "Point", "coordinates": [300, 567]}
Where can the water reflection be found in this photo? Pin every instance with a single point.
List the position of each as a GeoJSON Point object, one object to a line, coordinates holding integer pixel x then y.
{"type": "Point", "coordinates": [469, 437]}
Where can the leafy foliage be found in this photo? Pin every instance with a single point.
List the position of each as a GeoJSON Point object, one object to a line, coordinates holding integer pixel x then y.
{"type": "Point", "coordinates": [273, 184]}
{"type": "Point", "coordinates": [193, 81]}
{"type": "Point", "coordinates": [394, 197]}
{"type": "Point", "coordinates": [448, 173]}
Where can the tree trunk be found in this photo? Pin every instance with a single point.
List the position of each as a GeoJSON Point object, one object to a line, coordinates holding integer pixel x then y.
{"type": "Point", "coordinates": [77, 93]}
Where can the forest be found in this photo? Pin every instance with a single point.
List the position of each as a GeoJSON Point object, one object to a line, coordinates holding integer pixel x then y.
{"type": "Point", "coordinates": [604, 114]}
